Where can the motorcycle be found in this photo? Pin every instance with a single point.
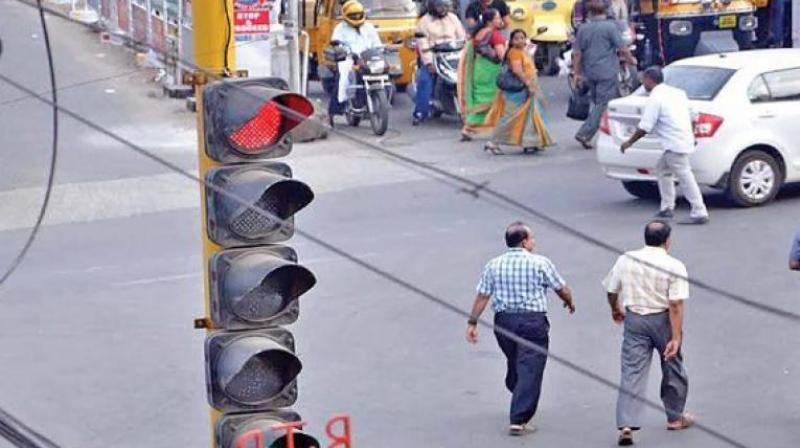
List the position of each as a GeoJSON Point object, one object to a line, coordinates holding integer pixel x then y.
{"type": "Point", "coordinates": [444, 98]}
{"type": "Point", "coordinates": [371, 86]}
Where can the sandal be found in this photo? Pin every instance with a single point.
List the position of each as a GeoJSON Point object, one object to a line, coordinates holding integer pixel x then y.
{"type": "Point", "coordinates": [625, 437]}
{"type": "Point", "coordinates": [530, 149]}
{"type": "Point", "coordinates": [520, 430]}
{"type": "Point", "coordinates": [686, 421]}
{"type": "Point", "coordinates": [492, 148]}
{"type": "Point", "coordinates": [465, 137]}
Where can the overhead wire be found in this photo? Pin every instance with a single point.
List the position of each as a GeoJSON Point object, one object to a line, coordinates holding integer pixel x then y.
{"type": "Point", "coordinates": [360, 262]}
{"type": "Point", "coordinates": [476, 187]}
{"type": "Point", "coordinates": [17, 261]}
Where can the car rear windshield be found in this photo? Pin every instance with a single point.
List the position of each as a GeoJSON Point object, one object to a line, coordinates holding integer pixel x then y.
{"type": "Point", "coordinates": [699, 83]}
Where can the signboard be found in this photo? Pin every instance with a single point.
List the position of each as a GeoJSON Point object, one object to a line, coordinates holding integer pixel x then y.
{"type": "Point", "coordinates": [251, 19]}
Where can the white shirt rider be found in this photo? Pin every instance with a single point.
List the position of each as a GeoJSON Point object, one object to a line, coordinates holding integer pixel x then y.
{"type": "Point", "coordinates": [668, 116]}
{"type": "Point", "coordinates": [357, 40]}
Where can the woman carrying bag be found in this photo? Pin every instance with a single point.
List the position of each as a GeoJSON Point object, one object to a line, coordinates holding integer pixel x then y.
{"type": "Point", "coordinates": [517, 114]}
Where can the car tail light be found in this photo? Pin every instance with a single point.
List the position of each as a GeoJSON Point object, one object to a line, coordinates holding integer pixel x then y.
{"type": "Point", "coordinates": [605, 127]}
{"type": "Point", "coordinates": [706, 125]}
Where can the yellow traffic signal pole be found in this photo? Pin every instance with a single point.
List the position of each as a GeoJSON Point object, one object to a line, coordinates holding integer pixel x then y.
{"type": "Point", "coordinates": [213, 49]}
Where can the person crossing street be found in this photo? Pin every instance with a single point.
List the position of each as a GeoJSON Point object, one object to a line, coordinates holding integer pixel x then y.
{"type": "Point", "coordinates": [668, 116]}
{"type": "Point", "coordinates": [516, 284]}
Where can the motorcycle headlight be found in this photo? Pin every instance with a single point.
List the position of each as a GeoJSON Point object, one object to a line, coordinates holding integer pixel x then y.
{"type": "Point", "coordinates": [376, 66]}
{"type": "Point", "coordinates": [518, 14]}
{"type": "Point", "coordinates": [748, 23]}
{"type": "Point", "coordinates": [680, 28]}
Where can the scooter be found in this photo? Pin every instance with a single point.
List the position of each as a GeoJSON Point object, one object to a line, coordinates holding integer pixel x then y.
{"type": "Point", "coordinates": [444, 98]}
{"type": "Point", "coordinates": [371, 89]}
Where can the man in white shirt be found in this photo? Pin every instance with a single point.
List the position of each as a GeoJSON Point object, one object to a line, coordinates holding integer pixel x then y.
{"type": "Point", "coordinates": [358, 35]}
{"type": "Point", "coordinates": [668, 116]}
{"type": "Point", "coordinates": [646, 289]}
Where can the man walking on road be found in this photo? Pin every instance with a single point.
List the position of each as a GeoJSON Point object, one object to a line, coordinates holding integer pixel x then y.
{"type": "Point", "coordinates": [668, 116]}
{"type": "Point", "coordinates": [598, 46]}
{"type": "Point", "coordinates": [516, 283]}
{"type": "Point", "coordinates": [794, 255]}
{"type": "Point", "coordinates": [646, 289]}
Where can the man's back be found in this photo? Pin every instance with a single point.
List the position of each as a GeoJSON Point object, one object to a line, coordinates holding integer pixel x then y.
{"type": "Point", "coordinates": [598, 41]}
{"type": "Point", "coordinates": [668, 116]}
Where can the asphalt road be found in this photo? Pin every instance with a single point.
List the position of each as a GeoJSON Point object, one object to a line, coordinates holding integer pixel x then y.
{"type": "Point", "coordinates": [97, 344]}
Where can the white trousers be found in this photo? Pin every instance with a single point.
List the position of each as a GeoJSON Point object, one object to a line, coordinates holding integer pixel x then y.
{"type": "Point", "coordinates": [673, 165]}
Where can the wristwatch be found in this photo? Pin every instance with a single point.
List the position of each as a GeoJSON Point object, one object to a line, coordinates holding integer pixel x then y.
{"type": "Point", "coordinates": [472, 321]}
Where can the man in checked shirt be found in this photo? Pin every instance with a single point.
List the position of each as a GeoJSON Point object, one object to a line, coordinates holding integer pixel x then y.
{"type": "Point", "coordinates": [646, 289]}
{"type": "Point", "coordinates": [516, 283]}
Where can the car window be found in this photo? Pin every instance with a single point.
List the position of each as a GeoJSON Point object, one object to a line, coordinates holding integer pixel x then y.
{"type": "Point", "coordinates": [699, 83]}
{"type": "Point", "coordinates": [758, 91]}
{"type": "Point", "coordinates": [784, 85]}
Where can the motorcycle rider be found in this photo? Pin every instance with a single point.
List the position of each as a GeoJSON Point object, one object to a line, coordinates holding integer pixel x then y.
{"type": "Point", "coordinates": [358, 36]}
{"type": "Point", "coordinates": [438, 25]}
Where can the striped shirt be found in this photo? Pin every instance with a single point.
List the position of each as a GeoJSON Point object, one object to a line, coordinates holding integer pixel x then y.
{"type": "Point", "coordinates": [648, 286]}
{"type": "Point", "coordinates": [517, 281]}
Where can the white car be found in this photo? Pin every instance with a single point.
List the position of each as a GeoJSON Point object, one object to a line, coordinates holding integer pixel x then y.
{"type": "Point", "coordinates": [747, 126]}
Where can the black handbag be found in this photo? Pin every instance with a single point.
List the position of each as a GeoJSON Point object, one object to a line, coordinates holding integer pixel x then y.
{"type": "Point", "coordinates": [579, 105]}
{"type": "Point", "coordinates": [508, 81]}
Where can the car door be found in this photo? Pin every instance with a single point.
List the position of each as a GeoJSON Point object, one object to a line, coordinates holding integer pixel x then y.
{"type": "Point", "coordinates": [776, 106]}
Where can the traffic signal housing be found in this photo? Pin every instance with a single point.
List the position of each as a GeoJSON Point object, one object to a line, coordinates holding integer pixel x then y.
{"type": "Point", "coordinates": [253, 285]}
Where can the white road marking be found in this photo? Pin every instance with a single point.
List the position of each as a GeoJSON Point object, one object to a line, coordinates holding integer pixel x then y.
{"type": "Point", "coordinates": [161, 279]}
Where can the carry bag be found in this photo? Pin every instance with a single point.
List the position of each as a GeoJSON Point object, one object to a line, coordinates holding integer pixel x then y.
{"type": "Point", "coordinates": [507, 80]}
{"type": "Point", "coordinates": [579, 105]}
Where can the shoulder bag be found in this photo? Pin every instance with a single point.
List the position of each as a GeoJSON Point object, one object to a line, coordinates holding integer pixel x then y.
{"type": "Point", "coordinates": [507, 80]}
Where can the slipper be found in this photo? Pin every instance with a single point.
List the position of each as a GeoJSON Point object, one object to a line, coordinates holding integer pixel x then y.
{"type": "Point", "coordinates": [625, 437]}
{"type": "Point", "coordinates": [686, 421]}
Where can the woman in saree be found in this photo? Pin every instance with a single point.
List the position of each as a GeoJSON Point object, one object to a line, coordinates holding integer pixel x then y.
{"type": "Point", "coordinates": [477, 72]}
{"type": "Point", "coordinates": [518, 117]}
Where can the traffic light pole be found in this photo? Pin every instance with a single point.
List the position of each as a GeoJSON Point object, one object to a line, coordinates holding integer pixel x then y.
{"type": "Point", "coordinates": [214, 54]}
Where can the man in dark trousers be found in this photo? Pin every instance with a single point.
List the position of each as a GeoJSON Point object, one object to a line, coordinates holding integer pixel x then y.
{"type": "Point", "coordinates": [516, 283]}
{"type": "Point", "coordinates": [794, 255]}
{"type": "Point", "coordinates": [598, 46]}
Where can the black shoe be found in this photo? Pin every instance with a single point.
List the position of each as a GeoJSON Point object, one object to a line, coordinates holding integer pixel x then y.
{"type": "Point", "coordinates": [667, 213]}
{"type": "Point", "coordinates": [587, 144]}
{"type": "Point", "coordinates": [417, 120]}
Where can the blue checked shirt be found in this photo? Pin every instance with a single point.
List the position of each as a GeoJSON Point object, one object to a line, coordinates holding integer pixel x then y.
{"type": "Point", "coordinates": [518, 281]}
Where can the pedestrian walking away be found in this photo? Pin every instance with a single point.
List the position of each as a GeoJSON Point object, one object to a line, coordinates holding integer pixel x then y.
{"type": "Point", "coordinates": [668, 116]}
{"type": "Point", "coordinates": [794, 255]}
{"type": "Point", "coordinates": [598, 46]}
{"type": "Point", "coordinates": [646, 290]}
{"type": "Point", "coordinates": [516, 284]}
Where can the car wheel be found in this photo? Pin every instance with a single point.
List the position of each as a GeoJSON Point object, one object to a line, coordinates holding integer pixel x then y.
{"type": "Point", "coordinates": [642, 189]}
{"type": "Point", "coordinates": [755, 179]}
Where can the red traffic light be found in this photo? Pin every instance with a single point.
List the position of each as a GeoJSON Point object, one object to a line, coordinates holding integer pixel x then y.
{"type": "Point", "coordinates": [250, 119]}
{"type": "Point", "coordinates": [262, 430]}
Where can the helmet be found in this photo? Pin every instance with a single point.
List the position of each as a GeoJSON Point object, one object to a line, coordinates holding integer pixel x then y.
{"type": "Point", "coordinates": [439, 8]}
{"type": "Point", "coordinates": [353, 12]}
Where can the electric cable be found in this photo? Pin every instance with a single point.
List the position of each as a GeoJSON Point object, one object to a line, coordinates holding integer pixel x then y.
{"type": "Point", "coordinates": [17, 261]}
{"type": "Point", "coordinates": [482, 191]}
{"type": "Point", "coordinates": [364, 264]}
{"type": "Point", "coordinates": [228, 37]}
{"type": "Point", "coordinates": [75, 85]}
{"type": "Point", "coordinates": [21, 435]}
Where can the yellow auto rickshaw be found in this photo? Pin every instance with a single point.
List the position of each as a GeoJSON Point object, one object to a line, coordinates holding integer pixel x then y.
{"type": "Point", "coordinates": [533, 16]}
{"type": "Point", "coordinates": [396, 21]}
{"type": "Point", "coordinates": [677, 29]}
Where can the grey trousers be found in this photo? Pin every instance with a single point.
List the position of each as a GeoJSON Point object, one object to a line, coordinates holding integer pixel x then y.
{"type": "Point", "coordinates": [600, 92]}
{"type": "Point", "coordinates": [672, 165]}
{"type": "Point", "coordinates": [642, 335]}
